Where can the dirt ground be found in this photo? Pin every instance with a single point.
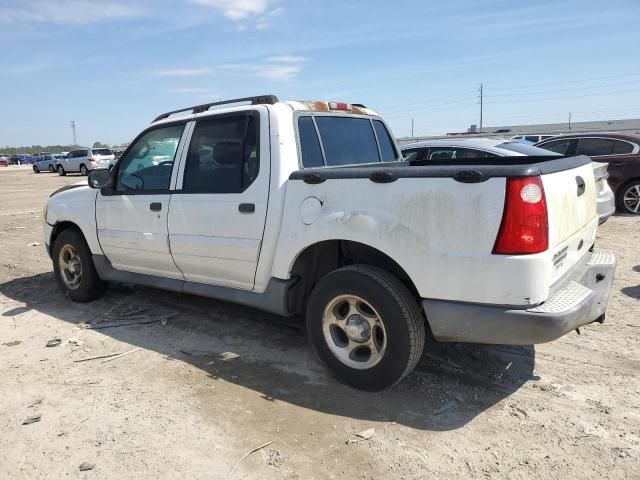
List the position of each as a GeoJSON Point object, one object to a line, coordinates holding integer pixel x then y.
{"type": "Point", "coordinates": [173, 409]}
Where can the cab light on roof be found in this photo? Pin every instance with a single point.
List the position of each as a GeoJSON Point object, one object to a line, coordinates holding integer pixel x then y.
{"type": "Point", "coordinates": [339, 106]}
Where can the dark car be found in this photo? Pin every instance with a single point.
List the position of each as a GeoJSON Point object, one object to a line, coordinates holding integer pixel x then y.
{"type": "Point", "coordinates": [620, 151]}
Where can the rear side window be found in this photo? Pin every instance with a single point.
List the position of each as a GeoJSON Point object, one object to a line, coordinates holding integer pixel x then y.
{"type": "Point", "coordinates": [309, 144]}
{"type": "Point", "coordinates": [454, 153]}
{"type": "Point", "coordinates": [387, 149]}
{"type": "Point", "coordinates": [223, 155]}
{"type": "Point", "coordinates": [595, 146]}
{"type": "Point", "coordinates": [524, 149]}
{"type": "Point", "coordinates": [532, 139]}
{"type": "Point", "coordinates": [621, 148]}
{"type": "Point", "coordinates": [411, 154]}
{"type": "Point", "coordinates": [558, 146]}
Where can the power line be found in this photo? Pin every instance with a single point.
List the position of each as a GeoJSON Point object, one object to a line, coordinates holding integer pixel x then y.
{"type": "Point", "coordinates": [635, 82]}
{"type": "Point", "coordinates": [566, 97]}
{"type": "Point", "coordinates": [566, 82]}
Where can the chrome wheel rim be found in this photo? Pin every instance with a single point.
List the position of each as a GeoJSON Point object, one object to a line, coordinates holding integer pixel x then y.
{"type": "Point", "coordinates": [70, 267]}
{"type": "Point", "coordinates": [631, 199]}
{"type": "Point", "coordinates": [354, 332]}
{"type": "Point", "coordinates": [83, 170]}
{"type": "Point", "coordinates": [51, 168]}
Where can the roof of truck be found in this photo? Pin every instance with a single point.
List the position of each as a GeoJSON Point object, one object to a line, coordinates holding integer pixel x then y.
{"type": "Point", "coordinates": [298, 105]}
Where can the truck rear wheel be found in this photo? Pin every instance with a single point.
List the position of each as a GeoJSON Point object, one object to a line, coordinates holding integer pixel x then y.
{"type": "Point", "coordinates": [73, 268]}
{"type": "Point", "coordinates": [366, 326]}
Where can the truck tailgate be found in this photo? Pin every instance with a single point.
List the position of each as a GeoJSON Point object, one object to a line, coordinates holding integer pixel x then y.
{"type": "Point", "coordinates": [572, 215]}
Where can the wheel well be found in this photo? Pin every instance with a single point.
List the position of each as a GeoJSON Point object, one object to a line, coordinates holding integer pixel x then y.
{"type": "Point", "coordinates": [58, 229]}
{"type": "Point", "coordinates": [321, 258]}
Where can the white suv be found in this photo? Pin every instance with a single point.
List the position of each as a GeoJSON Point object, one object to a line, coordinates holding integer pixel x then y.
{"type": "Point", "coordinates": [305, 208]}
{"type": "Point", "coordinates": [84, 160]}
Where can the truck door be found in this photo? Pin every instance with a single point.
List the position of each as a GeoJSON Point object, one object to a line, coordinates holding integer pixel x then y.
{"type": "Point", "coordinates": [218, 210]}
{"type": "Point", "coordinates": [132, 216]}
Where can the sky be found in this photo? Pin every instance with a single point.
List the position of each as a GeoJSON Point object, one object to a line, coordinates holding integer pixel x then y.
{"type": "Point", "coordinates": [112, 66]}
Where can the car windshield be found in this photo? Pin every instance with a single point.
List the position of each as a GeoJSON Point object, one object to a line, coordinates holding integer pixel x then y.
{"type": "Point", "coordinates": [526, 149]}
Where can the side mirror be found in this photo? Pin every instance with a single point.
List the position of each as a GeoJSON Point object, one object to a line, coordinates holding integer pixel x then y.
{"type": "Point", "coordinates": [99, 178]}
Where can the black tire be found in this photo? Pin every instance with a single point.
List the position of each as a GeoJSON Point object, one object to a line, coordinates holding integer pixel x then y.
{"type": "Point", "coordinates": [90, 285]}
{"type": "Point", "coordinates": [631, 188]}
{"type": "Point", "coordinates": [35, 169]}
{"type": "Point", "coordinates": [404, 324]}
{"type": "Point", "coordinates": [51, 169]}
{"type": "Point", "coordinates": [83, 170]}
{"type": "Point", "coordinates": [61, 171]}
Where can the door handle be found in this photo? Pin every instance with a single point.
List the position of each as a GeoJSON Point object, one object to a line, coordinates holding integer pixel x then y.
{"type": "Point", "coordinates": [581, 185]}
{"type": "Point", "coordinates": [155, 206]}
{"type": "Point", "coordinates": [247, 208]}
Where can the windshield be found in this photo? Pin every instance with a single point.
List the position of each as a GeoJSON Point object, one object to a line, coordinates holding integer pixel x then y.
{"type": "Point", "coordinates": [526, 149]}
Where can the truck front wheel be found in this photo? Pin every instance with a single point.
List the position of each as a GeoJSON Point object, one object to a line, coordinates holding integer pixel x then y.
{"type": "Point", "coordinates": [366, 326]}
{"type": "Point", "coordinates": [73, 267]}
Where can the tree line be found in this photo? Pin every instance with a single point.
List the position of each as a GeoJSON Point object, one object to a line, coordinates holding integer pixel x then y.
{"type": "Point", "coordinates": [52, 148]}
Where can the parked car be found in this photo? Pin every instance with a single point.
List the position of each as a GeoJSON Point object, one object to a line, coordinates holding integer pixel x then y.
{"type": "Point", "coordinates": [21, 159]}
{"type": "Point", "coordinates": [530, 139]}
{"type": "Point", "coordinates": [305, 208]}
{"type": "Point", "coordinates": [45, 163]}
{"type": "Point", "coordinates": [4, 160]}
{"type": "Point", "coordinates": [84, 160]}
{"type": "Point", "coordinates": [442, 150]}
{"type": "Point", "coordinates": [620, 151]}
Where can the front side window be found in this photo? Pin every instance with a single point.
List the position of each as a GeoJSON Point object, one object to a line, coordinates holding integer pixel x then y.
{"type": "Point", "coordinates": [148, 164]}
{"type": "Point", "coordinates": [594, 147]}
{"type": "Point", "coordinates": [558, 146]}
{"type": "Point", "coordinates": [223, 155]}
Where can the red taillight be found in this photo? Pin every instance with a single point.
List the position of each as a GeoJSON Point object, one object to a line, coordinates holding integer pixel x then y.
{"type": "Point", "coordinates": [524, 228]}
{"type": "Point", "coordinates": [91, 159]}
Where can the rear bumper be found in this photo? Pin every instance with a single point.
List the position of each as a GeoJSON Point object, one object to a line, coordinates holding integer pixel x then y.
{"type": "Point", "coordinates": [606, 204]}
{"type": "Point", "coordinates": [580, 298]}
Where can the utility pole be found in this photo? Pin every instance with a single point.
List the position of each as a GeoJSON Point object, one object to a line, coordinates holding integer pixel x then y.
{"type": "Point", "coordinates": [569, 120]}
{"type": "Point", "coordinates": [73, 128]}
{"type": "Point", "coordinates": [412, 128]}
{"type": "Point", "coordinates": [481, 105]}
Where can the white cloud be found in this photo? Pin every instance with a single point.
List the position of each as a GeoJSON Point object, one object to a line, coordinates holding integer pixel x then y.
{"type": "Point", "coordinates": [286, 59]}
{"type": "Point", "coordinates": [279, 72]}
{"type": "Point", "coordinates": [70, 12]}
{"type": "Point", "coordinates": [277, 67]}
{"type": "Point", "coordinates": [236, 10]}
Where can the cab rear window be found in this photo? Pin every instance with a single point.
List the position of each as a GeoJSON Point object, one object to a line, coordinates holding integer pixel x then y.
{"type": "Point", "coordinates": [331, 140]}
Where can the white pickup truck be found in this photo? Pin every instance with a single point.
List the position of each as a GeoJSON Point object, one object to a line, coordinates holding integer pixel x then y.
{"type": "Point", "coordinates": [308, 208]}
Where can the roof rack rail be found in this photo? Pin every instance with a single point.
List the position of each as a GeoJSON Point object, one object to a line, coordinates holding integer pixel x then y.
{"type": "Point", "coordinates": [258, 100]}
